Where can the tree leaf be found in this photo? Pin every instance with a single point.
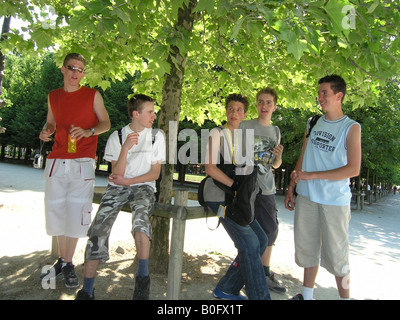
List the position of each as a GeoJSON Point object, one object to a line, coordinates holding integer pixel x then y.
{"type": "Point", "coordinates": [339, 20]}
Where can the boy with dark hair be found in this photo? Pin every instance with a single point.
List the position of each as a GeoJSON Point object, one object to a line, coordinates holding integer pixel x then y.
{"type": "Point", "coordinates": [329, 157]}
{"type": "Point", "coordinates": [337, 84]}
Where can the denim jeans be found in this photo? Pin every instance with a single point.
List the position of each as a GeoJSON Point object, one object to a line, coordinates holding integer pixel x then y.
{"type": "Point", "coordinates": [247, 269]}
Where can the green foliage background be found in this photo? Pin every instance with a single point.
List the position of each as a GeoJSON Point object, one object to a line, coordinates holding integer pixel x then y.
{"type": "Point", "coordinates": [29, 79]}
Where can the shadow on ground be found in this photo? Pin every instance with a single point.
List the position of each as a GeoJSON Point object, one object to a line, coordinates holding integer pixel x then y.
{"type": "Point", "coordinates": [115, 280]}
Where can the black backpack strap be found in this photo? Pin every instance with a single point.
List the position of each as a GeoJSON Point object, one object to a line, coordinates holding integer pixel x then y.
{"type": "Point", "coordinates": [153, 135]}
{"type": "Point", "coordinates": [153, 139]}
{"type": "Point", "coordinates": [208, 226]}
{"type": "Point", "coordinates": [120, 135]}
{"type": "Point", "coordinates": [312, 123]}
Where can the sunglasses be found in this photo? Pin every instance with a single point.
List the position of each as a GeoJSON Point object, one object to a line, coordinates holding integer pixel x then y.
{"type": "Point", "coordinates": [73, 69]}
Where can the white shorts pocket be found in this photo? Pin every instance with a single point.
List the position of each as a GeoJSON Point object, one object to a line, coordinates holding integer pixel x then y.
{"type": "Point", "coordinates": [87, 168]}
{"type": "Point", "coordinates": [86, 217]}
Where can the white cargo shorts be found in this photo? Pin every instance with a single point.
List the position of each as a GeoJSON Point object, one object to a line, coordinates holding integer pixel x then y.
{"type": "Point", "coordinates": [69, 196]}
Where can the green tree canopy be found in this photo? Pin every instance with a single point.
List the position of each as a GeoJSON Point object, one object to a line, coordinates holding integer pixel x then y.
{"type": "Point", "coordinates": [233, 45]}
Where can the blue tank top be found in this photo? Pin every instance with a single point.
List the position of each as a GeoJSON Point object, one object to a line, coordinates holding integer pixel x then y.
{"type": "Point", "coordinates": [326, 150]}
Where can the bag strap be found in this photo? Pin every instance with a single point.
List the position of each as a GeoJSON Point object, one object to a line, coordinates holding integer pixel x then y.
{"type": "Point", "coordinates": [153, 139]}
{"type": "Point", "coordinates": [120, 135]}
{"type": "Point", "coordinates": [219, 221]}
{"type": "Point", "coordinates": [312, 123]}
{"type": "Point", "coordinates": [153, 135]}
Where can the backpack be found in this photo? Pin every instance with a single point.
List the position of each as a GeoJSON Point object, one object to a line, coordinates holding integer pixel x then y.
{"type": "Point", "coordinates": [240, 207]}
{"type": "Point", "coordinates": [228, 169]}
{"type": "Point", "coordinates": [239, 204]}
{"type": "Point", "coordinates": [312, 123]}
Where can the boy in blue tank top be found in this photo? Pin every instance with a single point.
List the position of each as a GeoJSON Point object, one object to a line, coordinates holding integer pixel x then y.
{"type": "Point", "coordinates": [330, 156]}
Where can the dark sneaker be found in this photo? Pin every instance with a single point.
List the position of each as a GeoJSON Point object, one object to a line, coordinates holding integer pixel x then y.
{"type": "Point", "coordinates": [297, 297]}
{"type": "Point", "coordinates": [83, 295]}
{"type": "Point", "coordinates": [274, 285]}
{"type": "Point", "coordinates": [57, 266]}
{"type": "Point", "coordinates": [227, 296]}
{"type": "Point", "coordinates": [142, 288]}
{"type": "Point", "coordinates": [70, 278]}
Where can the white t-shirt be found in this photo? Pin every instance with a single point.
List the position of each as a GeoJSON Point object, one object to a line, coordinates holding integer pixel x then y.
{"type": "Point", "coordinates": [141, 156]}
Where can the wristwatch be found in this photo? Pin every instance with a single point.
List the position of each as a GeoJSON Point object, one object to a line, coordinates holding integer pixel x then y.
{"type": "Point", "coordinates": [92, 130]}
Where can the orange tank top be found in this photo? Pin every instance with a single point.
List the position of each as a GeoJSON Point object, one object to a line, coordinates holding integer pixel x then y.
{"type": "Point", "coordinates": [73, 108]}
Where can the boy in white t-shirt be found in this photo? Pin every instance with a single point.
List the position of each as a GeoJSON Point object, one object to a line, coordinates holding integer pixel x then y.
{"type": "Point", "coordinates": [136, 164]}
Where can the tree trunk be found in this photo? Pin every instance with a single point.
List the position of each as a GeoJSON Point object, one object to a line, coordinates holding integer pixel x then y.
{"type": "Point", "coordinates": [5, 29]}
{"type": "Point", "coordinates": [169, 111]}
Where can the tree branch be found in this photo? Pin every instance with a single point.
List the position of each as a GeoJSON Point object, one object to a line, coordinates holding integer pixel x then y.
{"type": "Point", "coordinates": [370, 74]}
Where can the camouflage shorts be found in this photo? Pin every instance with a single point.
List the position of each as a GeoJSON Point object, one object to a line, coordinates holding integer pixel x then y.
{"type": "Point", "coordinates": [141, 200]}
